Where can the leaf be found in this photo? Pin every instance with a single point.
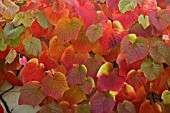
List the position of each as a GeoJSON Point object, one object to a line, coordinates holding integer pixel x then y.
{"type": "Point", "coordinates": [68, 29]}
{"type": "Point", "coordinates": [160, 19]}
{"type": "Point", "coordinates": [136, 79]}
{"type": "Point", "coordinates": [8, 9]}
{"type": "Point", "coordinates": [144, 21]}
{"type": "Point", "coordinates": [127, 19]}
{"type": "Point", "coordinates": [102, 102]}
{"type": "Point", "coordinates": [160, 52]}
{"type": "Point", "coordinates": [52, 107]}
{"type": "Point", "coordinates": [109, 78]}
{"type": "Point", "coordinates": [146, 107]}
{"type": "Point", "coordinates": [127, 5]}
{"type": "Point", "coordinates": [70, 96]}
{"type": "Point", "coordinates": [88, 13]}
{"type": "Point", "coordinates": [71, 56]}
{"type": "Point", "coordinates": [112, 5]}
{"type": "Point", "coordinates": [82, 43]}
{"type": "Point", "coordinates": [76, 74]}
{"type": "Point", "coordinates": [11, 56]}
{"type": "Point", "coordinates": [94, 32]}
{"type": "Point", "coordinates": [32, 46]}
{"type": "Point", "coordinates": [31, 94]}
{"type": "Point", "coordinates": [134, 46]}
{"type": "Point", "coordinates": [13, 79]}
{"type": "Point", "coordinates": [33, 71]}
{"type": "Point", "coordinates": [55, 86]}
{"type": "Point", "coordinates": [166, 97]}
{"type": "Point", "coordinates": [25, 18]}
{"type": "Point", "coordinates": [88, 85]}
{"type": "Point", "coordinates": [12, 32]}
{"type": "Point", "coordinates": [37, 30]}
{"type": "Point", "coordinates": [42, 20]}
{"type": "Point", "coordinates": [151, 69]}
{"type": "Point", "coordinates": [48, 62]}
{"type": "Point", "coordinates": [3, 45]}
{"type": "Point", "coordinates": [1, 109]}
{"type": "Point", "coordinates": [82, 108]}
{"type": "Point", "coordinates": [148, 5]}
{"type": "Point", "coordinates": [126, 107]}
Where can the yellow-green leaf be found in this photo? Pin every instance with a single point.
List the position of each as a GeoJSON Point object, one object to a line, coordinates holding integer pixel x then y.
{"type": "Point", "coordinates": [144, 21]}
{"type": "Point", "coordinates": [11, 56]}
{"type": "Point", "coordinates": [127, 5]}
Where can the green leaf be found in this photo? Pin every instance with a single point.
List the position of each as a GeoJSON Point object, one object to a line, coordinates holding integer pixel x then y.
{"type": "Point", "coordinates": [82, 108]}
{"type": "Point", "coordinates": [12, 32]}
{"type": "Point", "coordinates": [42, 20]}
{"type": "Point", "coordinates": [160, 52]}
{"type": "Point", "coordinates": [25, 18]}
{"type": "Point", "coordinates": [11, 56]}
{"type": "Point", "coordinates": [3, 46]}
{"type": "Point", "coordinates": [144, 21]}
{"type": "Point", "coordinates": [127, 5]}
{"type": "Point", "coordinates": [94, 32]}
{"type": "Point", "coordinates": [166, 97]}
{"type": "Point", "coordinates": [32, 46]}
{"type": "Point", "coordinates": [151, 69]}
{"type": "Point", "coordinates": [13, 42]}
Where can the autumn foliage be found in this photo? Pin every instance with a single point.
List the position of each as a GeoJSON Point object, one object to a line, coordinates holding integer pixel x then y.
{"type": "Point", "coordinates": [87, 56]}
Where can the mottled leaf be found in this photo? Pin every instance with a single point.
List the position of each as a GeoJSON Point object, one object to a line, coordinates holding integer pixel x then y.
{"type": "Point", "coordinates": [42, 20]}
{"type": "Point", "coordinates": [144, 21]}
{"type": "Point", "coordinates": [151, 69]}
{"type": "Point", "coordinates": [68, 29]}
{"type": "Point", "coordinates": [76, 74]}
{"type": "Point", "coordinates": [11, 56]}
{"type": "Point", "coordinates": [55, 86]}
{"type": "Point", "coordinates": [84, 108]}
{"type": "Point", "coordinates": [94, 32]}
{"type": "Point", "coordinates": [127, 5]}
{"type": "Point", "coordinates": [102, 102]}
{"type": "Point", "coordinates": [70, 96]}
{"type": "Point", "coordinates": [31, 94]}
{"type": "Point", "coordinates": [134, 46]}
{"type": "Point", "coordinates": [32, 46]}
{"type": "Point", "coordinates": [126, 107]}
{"type": "Point", "coordinates": [160, 52]}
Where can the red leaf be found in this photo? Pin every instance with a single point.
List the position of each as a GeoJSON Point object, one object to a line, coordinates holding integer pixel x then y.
{"type": "Point", "coordinates": [147, 107]}
{"type": "Point", "coordinates": [113, 5]}
{"type": "Point", "coordinates": [136, 79]}
{"type": "Point", "coordinates": [88, 13]}
{"type": "Point", "coordinates": [148, 5]}
{"type": "Point", "coordinates": [48, 62]}
{"type": "Point", "coordinates": [2, 76]}
{"type": "Point", "coordinates": [13, 79]}
{"type": "Point", "coordinates": [126, 93]}
{"type": "Point", "coordinates": [76, 74]}
{"type": "Point", "coordinates": [55, 86]}
{"type": "Point", "coordinates": [137, 47]}
{"type": "Point", "coordinates": [128, 18]}
{"type": "Point", "coordinates": [102, 102]}
{"type": "Point", "coordinates": [71, 56]}
{"type": "Point", "coordinates": [70, 96]}
{"type": "Point", "coordinates": [3, 54]}
{"type": "Point", "coordinates": [160, 19]}
{"type": "Point", "coordinates": [1, 109]}
{"type": "Point", "coordinates": [31, 94]}
{"type": "Point", "coordinates": [33, 71]}
{"type": "Point", "coordinates": [109, 78]}
{"type": "Point", "coordinates": [37, 30]}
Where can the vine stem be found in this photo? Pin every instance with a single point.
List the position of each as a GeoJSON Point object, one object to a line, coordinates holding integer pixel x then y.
{"type": "Point", "coordinates": [4, 102]}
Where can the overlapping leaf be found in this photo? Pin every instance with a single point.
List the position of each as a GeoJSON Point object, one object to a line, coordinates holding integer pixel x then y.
{"type": "Point", "coordinates": [32, 46]}
{"type": "Point", "coordinates": [76, 74]}
{"type": "Point", "coordinates": [55, 86]}
{"type": "Point", "coordinates": [126, 107]}
{"type": "Point", "coordinates": [102, 102]}
{"type": "Point", "coordinates": [70, 96]}
{"type": "Point", "coordinates": [31, 94]}
{"type": "Point", "coordinates": [166, 97]}
{"type": "Point", "coordinates": [127, 5]}
{"type": "Point", "coordinates": [137, 47]}
{"type": "Point", "coordinates": [68, 29]}
{"type": "Point", "coordinates": [85, 108]}
{"type": "Point", "coordinates": [160, 52]}
{"type": "Point", "coordinates": [33, 71]}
